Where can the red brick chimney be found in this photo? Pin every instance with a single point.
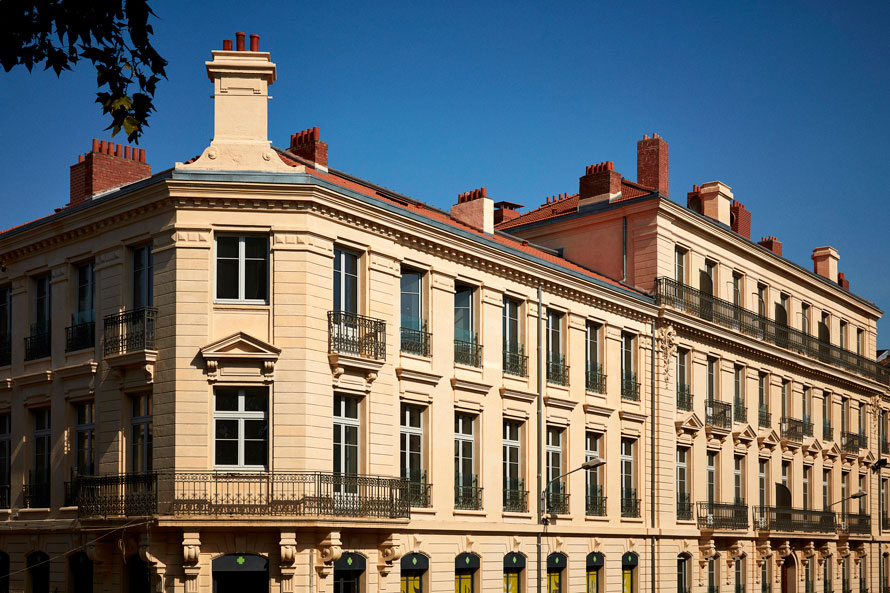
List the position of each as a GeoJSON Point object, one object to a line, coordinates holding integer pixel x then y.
{"type": "Point", "coordinates": [506, 211]}
{"type": "Point", "coordinates": [105, 167]}
{"type": "Point", "coordinates": [843, 282]}
{"type": "Point", "coordinates": [308, 145]}
{"type": "Point", "coordinates": [740, 219]}
{"type": "Point", "coordinates": [772, 244]}
{"type": "Point", "coordinates": [601, 183]}
{"type": "Point", "coordinates": [652, 163]}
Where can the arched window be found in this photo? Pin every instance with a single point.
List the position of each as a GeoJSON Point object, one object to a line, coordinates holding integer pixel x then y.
{"type": "Point", "coordinates": [683, 577]}
{"type": "Point", "coordinates": [38, 572]}
{"type": "Point", "coordinates": [466, 566]}
{"type": "Point", "coordinates": [595, 562]}
{"type": "Point", "coordinates": [80, 573]}
{"type": "Point", "coordinates": [414, 568]}
{"type": "Point", "coordinates": [348, 571]}
{"type": "Point", "coordinates": [556, 564]}
{"type": "Point", "coordinates": [514, 565]}
{"type": "Point", "coordinates": [629, 563]}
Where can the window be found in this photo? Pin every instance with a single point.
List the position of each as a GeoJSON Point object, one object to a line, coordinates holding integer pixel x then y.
{"type": "Point", "coordinates": [412, 299]}
{"type": "Point", "coordinates": [512, 338]}
{"type": "Point", "coordinates": [594, 351]}
{"type": "Point", "coordinates": [629, 564]}
{"type": "Point", "coordinates": [42, 306]}
{"type": "Point", "coordinates": [37, 493]}
{"type": "Point", "coordinates": [683, 579]}
{"type": "Point", "coordinates": [782, 311]}
{"type": "Point", "coordinates": [629, 388]}
{"type": "Point", "coordinates": [86, 294]}
{"type": "Point", "coordinates": [684, 390]}
{"type": "Point", "coordinates": [684, 500]}
{"type": "Point", "coordinates": [143, 277]}
{"type": "Point", "coordinates": [740, 411]}
{"type": "Point", "coordinates": [241, 427]}
{"type": "Point", "coordinates": [142, 435]}
{"type": "Point", "coordinates": [826, 416]}
{"type": "Point", "coordinates": [556, 502]}
{"type": "Point", "coordinates": [786, 471]}
{"type": "Point", "coordinates": [761, 300]}
{"type": "Point", "coordinates": [862, 488]}
{"type": "Point", "coordinates": [786, 401]}
{"type": "Point", "coordinates": [737, 289]}
{"type": "Point", "coordinates": [556, 368]}
{"type": "Point", "coordinates": [763, 482]}
{"type": "Point", "coordinates": [805, 486]}
{"type": "Point", "coordinates": [556, 564]}
{"type": "Point", "coordinates": [242, 268]}
{"type": "Point", "coordinates": [514, 488]}
{"type": "Point", "coordinates": [414, 568]}
{"type": "Point", "coordinates": [595, 562]}
{"type": "Point", "coordinates": [346, 442]}
{"type": "Point", "coordinates": [514, 565]}
{"type": "Point", "coordinates": [713, 575]}
{"type": "Point", "coordinates": [805, 318]}
{"type": "Point", "coordinates": [712, 387]}
{"type": "Point", "coordinates": [85, 439]}
{"type": "Point", "coordinates": [348, 572]}
{"type": "Point", "coordinates": [826, 489]}
{"type": "Point", "coordinates": [806, 405]}
{"type": "Point", "coordinates": [466, 566]}
{"type": "Point", "coordinates": [411, 453]}
{"type": "Point", "coordinates": [596, 503]}
{"type": "Point", "coordinates": [860, 341]}
{"type": "Point", "coordinates": [5, 459]}
{"type": "Point", "coordinates": [5, 325]}
{"type": "Point", "coordinates": [845, 487]}
{"type": "Point", "coordinates": [740, 574]}
{"type": "Point", "coordinates": [630, 504]}
{"type": "Point", "coordinates": [464, 319]}
{"type": "Point", "coordinates": [711, 474]}
{"type": "Point", "coordinates": [680, 265]}
{"type": "Point", "coordinates": [465, 480]}
{"type": "Point", "coordinates": [843, 335]}
{"type": "Point", "coordinates": [738, 479]}
{"type": "Point", "coordinates": [766, 586]}
{"type": "Point", "coordinates": [845, 414]}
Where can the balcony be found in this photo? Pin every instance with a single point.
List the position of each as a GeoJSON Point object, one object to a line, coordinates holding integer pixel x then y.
{"type": "Point", "coordinates": [630, 389]}
{"type": "Point", "coordinates": [764, 418]}
{"type": "Point", "coordinates": [684, 506]}
{"type": "Point", "coordinates": [5, 349]}
{"type": "Point", "coordinates": [80, 336]}
{"type": "Point", "coordinates": [39, 343]}
{"type": "Point", "coordinates": [857, 523]}
{"type": "Point", "coordinates": [468, 353]}
{"type": "Point", "coordinates": [792, 429]}
{"type": "Point", "coordinates": [37, 495]}
{"type": "Point", "coordinates": [130, 331]}
{"type": "Point", "coordinates": [630, 504]}
{"type": "Point", "coordinates": [685, 298]}
{"type": "Point", "coordinates": [467, 493]}
{"type": "Point", "coordinates": [739, 411]}
{"type": "Point", "coordinates": [595, 503]}
{"type": "Point", "coordinates": [352, 334]}
{"type": "Point", "coordinates": [418, 489]}
{"type": "Point", "coordinates": [557, 371]}
{"type": "Point", "coordinates": [794, 520]}
{"type": "Point", "coordinates": [722, 515]}
{"type": "Point", "coordinates": [4, 496]}
{"type": "Point", "coordinates": [684, 398]}
{"type": "Point", "coordinates": [595, 380]}
{"type": "Point", "coordinates": [415, 341]}
{"type": "Point", "coordinates": [718, 414]}
{"type": "Point", "coordinates": [556, 500]}
{"type": "Point", "coordinates": [515, 360]}
{"type": "Point", "coordinates": [827, 432]}
{"type": "Point", "coordinates": [850, 442]}
{"type": "Point", "coordinates": [863, 440]}
{"type": "Point", "coordinates": [515, 496]}
{"type": "Point", "coordinates": [124, 495]}
{"type": "Point", "coordinates": [807, 427]}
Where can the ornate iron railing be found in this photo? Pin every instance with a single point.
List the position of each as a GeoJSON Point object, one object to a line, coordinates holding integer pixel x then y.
{"type": "Point", "coordinates": [630, 389]}
{"type": "Point", "coordinates": [130, 331]}
{"type": "Point", "coordinates": [313, 494]}
{"type": "Point", "coordinates": [595, 503]}
{"type": "Point", "coordinates": [415, 341]}
{"type": "Point", "coordinates": [515, 360]}
{"type": "Point", "coordinates": [36, 495]}
{"type": "Point", "coordinates": [789, 519]}
{"type": "Point", "coordinates": [515, 496]}
{"type": "Point", "coordinates": [468, 353]}
{"type": "Point", "coordinates": [684, 398]}
{"type": "Point", "coordinates": [792, 429]}
{"type": "Point", "coordinates": [123, 495]}
{"type": "Point", "coordinates": [685, 298]}
{"type": "Point", "coordinates": [595, 380]}
{"type": "Point", "coordinates": [419, 490]}
{"type": "Point", "coordinates": [357, 335]}
{"type": "Point", "coordinates": [630, 504]}
{"type": "Point", "coordinates": [807, 427]}
{"type": "Point", "coordinates": [858, 523]}
{"type": "Point", "coordinates": [827, 431]}
{"type": "Point", "coordinates": [739, 411]}
{"type": "Point", "coordinates": [557, 371]}
{"type": "Point", "coordinates": [556, 499]}
{"type": "Point", "coordinates": [5, 349]}
{"type": "Point", "coordinates": [863, 440]}
{"type": "Point", "coordinates": [684, 506]}
{"type": "Point", "coordinates": [39, 343]}
{"type": "Point", "coordinates": [764, 417]}
{"type": "Point", "coordinates": [467, 493]}
{"type": "Point", "coordinates": [850, 442]}
{"type": "Point", "coordinates": [80, 336]}
{"type": "Point", "coordinates": [718, 414]}
{"type": "Point", "coordinates": [722, 515]}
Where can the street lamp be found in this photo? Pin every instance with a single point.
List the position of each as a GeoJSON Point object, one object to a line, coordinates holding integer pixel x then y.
{"type": "Point", "coordinates": [853, 496]}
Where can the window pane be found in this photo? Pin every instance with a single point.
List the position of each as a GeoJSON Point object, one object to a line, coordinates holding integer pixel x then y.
{"type": "Point", "coordinates": [226, 400]}
{"type": "Point", "coordinates": [227, 452]}
{"type": "Point", "coordinates": [226, 279]}
{"type": "Point", "coordinates": [227, 247]}
{"type": "Point", "coordinates": [255, 453]}
{"type": "Point", "coordinates": [255, 402]}
{"type": "Point", "coordinates": [255, 429]}
{"type": "Point", "coordinates": [226, 429]}
{"type": "Point", "coordinates": [255, 279]}
{"type": "Point", "coordinates": [255, 247]}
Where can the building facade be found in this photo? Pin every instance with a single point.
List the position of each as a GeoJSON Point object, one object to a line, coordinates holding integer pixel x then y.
{"type": "Point", "coordinates": [255, 372]}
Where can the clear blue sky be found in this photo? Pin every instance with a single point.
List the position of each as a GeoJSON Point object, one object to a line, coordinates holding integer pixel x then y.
{"type": "Point", "coordinates": [786, 102]}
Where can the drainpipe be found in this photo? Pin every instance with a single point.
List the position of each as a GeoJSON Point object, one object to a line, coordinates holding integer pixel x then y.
{"type": "Point", "coordinates": [652, 455]}
{"type": "Point", "coordinates": [540, 430]}
{"type": "Point", "coordinates": [624, 249]}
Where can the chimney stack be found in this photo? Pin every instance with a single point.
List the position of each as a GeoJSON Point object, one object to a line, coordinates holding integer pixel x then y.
{"type": "Point", "coordinates": [505, 211]}
{"type": "Point", "coordinates": [475, 209]}
{"type": "Point", "coordinates": [106, 166]}
{"type": "Point", "coordinates": [825, 262]}
{"type": "Point", "coordinates": [772, 244]}
{"type": "Point", "coordinates": [716, 198]}
{"type": "Point", "coordinates": [601, 183]}
{"type": "Point", "coordinates": [740, 219]}
{"type": "Point", "coordinates": [843, 282]}
{"type": "Point", "coordinates": [308, 145]}
{"type": "Point", "coordinates": [652, 163]}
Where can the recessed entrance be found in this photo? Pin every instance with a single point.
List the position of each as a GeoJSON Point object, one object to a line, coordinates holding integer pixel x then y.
{"type": "Point", "coordinates": [240, 573]}
{"type": "Point", "coordinates": [789, 575]}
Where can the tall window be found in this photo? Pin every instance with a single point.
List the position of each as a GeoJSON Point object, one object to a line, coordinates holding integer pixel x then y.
{"type": "Point", "coordinates": [826, 412]}
{"type": "Point", "coordinates": [554, 462]}
{"type": "Point", "coordinates": [628, 477]}
{"type": "Point", "coordinates": [766, 586]}
{"type": "Point", "coordinates": [805, 485]}
{"type": "Point", "coordinates": [786, 399]}
{"type": "Point", "coordinates": [241, 428]}
{"type": "Point", "coordinates": [826, 489]}
{"type": "Point", "coordinates": [862, 488]}
{"type": "Point", "coordinates": [843, 335]}
{"type": "Point", "coordinates": [845, 488]}
{"type": "Point", "coordinates": [595, 562]}
{"type": "Point", "coordinates": [412, 300]}
{"type": "Point", "coordinates": [740, 411]}
{"type": "Point", "coordinates": [763, 482]}
{"type": "Point", "coordinates": [514, 564]}
{"type": "Point", "coordinates": [464, 319]}
{"type": "Point", "coordinates": [683, 579]}
{"type": "Point", "coordinates": [628, 363]}
{"type": "Point", "coordinates": [5, 459]}
{"type": "Point", "coordinates": [786, 473]}
{"type": "Point", "coordinates": [466, 566]}
{"type": "Point", "coordinates": [595, 503]}
{"type": "Point", "coordinates": [512, 339]}
{"type": "Point", "coordinates": [513, 486]}
{"type": "Point", "coordinates": [347, 426]}
{"type": "Point", "coordinates": [739, 574]}
{"type": "Point", "coordinates": [860, 341]}
{"type": "Point", "coordinates": [713, 575]}
{"type": "Point", "coordinates": [143, 277]}
{"type": "Point", "coordinates": [761, 300]}
{"type": "Point", "coordinates": [737, 289]}
{"type": "Point", "coordinates": [711, 476]}
{"type": "Point", "coordinates": [414, 568]}
{"type": "Point", "coordinates": [763, 391]}
{"type": "Point", "coordinates": [684, 502]}
{"type": "Point", "coordinates": [806, 404]}
{"type": "Point", "coordinates": [738, 479]}
{"type": "Point", "coordinates": [86, 294]}
{"type": "Point", "coordinates": [85, 439]}
{"type": "Point", "coordinates": [805, 318]}
{"type": "Point", "coordinates": [42, 305]}
{"type": "Point", "coordinates": [680, 265]}
{"type": "Point", "coordinates": [845, 414]}
{"type": "Point", "coordinates": [345, 281]}
{"type": "Point", "coordinates": [141, 432]}
{"type": "Point", "coordinates": [242, 268]}
{"type": "Point", "coordinates": [712, 390]}
{"type": "Point", "coordinates": [411, 444]}
{"type": "Point", "coordinates": [556, 564]}
{"type": "Point", "coordinates": [594, 361]}
{"type": "Point", "coordinates": [42, 447]}
{"type": "Point", "coordinates": [682, 370]}
{"type": "Point", "coordinates": [554, 337]}
{"type": "Point", "coordinates": [5, 325]}
{"type": "Point", "coordinates": [629, 562]}
{"type": "Point", "coordinates": [464, 461]}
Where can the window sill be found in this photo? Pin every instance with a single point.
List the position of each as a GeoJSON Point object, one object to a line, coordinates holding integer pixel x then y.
{"type": "Point", "coordinates": [423, 511]}
{"type": "Point", "coordinates": [469, 513]}
{"type": "Point", "coordinates": [417, 357]}
{"type": "Point", "coordinates": [241, 305]}
{"type": "Point", "coordinates": [597, 518]}
{"type": "Point", "coordinates": [632, 520]}
{"type": "Point", "coordinates": [36, 511]}
{"type": "Point", "coordinates": [515, 515]}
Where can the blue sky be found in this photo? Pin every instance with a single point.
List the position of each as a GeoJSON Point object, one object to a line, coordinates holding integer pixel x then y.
{"type": "Point", "coordinates": [786, 102]}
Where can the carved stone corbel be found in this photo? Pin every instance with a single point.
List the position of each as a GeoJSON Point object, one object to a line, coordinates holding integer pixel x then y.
{"type": "Point", "coordinates": [191, 555]}
{"type": "Point", "coordinates": [859, 554]}
{"type": "Point", "coordinates": [329, 551]}
{"type": "Point", "coordinates": [389, 552]}
{"type": "Point", "coordinates": [155, 565]}
{"type": "Point", "coordinates": [287, 556]}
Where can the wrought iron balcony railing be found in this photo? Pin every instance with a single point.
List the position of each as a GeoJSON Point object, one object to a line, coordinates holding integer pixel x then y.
{"type": "Point", "coordinates": [515, 360]}
{"type": "Point", "coordinates": [792, 429]}
{"type": "Point", "coordinates": [790, 519]}
{"type": "Point", "coordinates": [857, 523]}
{"type": "Point", "coordinates": [557, 371]}
{"type": "Point", "coordinates": [718, 414]}
{"type": "Point", "coordinates": [39, 343]}
{"type": "Point", "coordinates": [764, 418]}
{"type": "Point", "coordinates": [684, 506]}
{"type": "Point", "coordinates": [123, 495]}
{"type": "Point", "coordinates": [415, 341]}
{"type": "Point", "coordinates": [5, 349]}
{"type": "Point", "coordinates": [807, 427]}
{"type": "Point", "coordinates": [515, 496]}
{"type": "Point", "coordinates": [827, 432]}
{"type": "Point", "coordinates": [722, 515]}
{"type": "Point", "coordinates": [130, 331]}
{"type": "Point", "coordinates": [356, 335]}
{"type": "Point", "coordinates": [419, 490]}
{"type": "Point", "coordinates": [556, 499]}
{"type": "Point", "coordinates": [468, 353]}
{"type": "Point", "coordinates": [595, 503]}
{"type": "Point", "coordinates": [467, 493]}
{"type": "Point", "coordinates": [739, 411]}
{"type": "Point", "coordinates": [630, 504]}
{"type": "Point", "coordinates": [80, 336]}
{"type": "Point", "coordinates": [685, 298]}
{"type": "Point", "coordinates": [850, 442]}
{"type": "Point", "coordinates": [684, 398]}
{"type": "Point", "coordinates": [595, 380]}
{"type": "Point", "coordinates": [630, 389]}
{"type": "Point", "coordinates": [36, 495]}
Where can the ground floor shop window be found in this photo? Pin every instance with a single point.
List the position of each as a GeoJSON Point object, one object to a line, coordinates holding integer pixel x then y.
{"type": "Point", "coordinates": [514, 565]}
{"type": "Point", "coordinates": [414, 568]}
{"type": "Point", "coordinates": [556, 564]}
{"type": "Point", "coordinates": [466, 566]}
{"type": "Point", "coordinates": [629, 562]}
{"type": "Point", "coordinates": [80, 573]}
{"type": "Point", "coordinates": [348, 573]}
{"type": "Point", "coordinates": [595, 562]}
{"type": "Point", "coordinates": [240, 573]}
{"type": "Point", "coordinates": [38, 572]}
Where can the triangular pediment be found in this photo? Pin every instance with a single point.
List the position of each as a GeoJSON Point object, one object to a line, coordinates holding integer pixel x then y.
{"type": "Point", "coordinates": [814, 448]}
{"type": "Point", "coordinates": [832, 452]}
{"type": "Point", "coordinates": [768, 439]}
{"type": "Point", "coordinates": [240, 345]}
{"type": "Point", "coordinates": [690, 424]}
{"type": "Point", "coordinates": [868, 458]}
{"type": "Point", "coordinates": [745, 435]}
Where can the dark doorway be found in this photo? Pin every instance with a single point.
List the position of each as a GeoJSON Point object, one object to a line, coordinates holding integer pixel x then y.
{"type": "Point", "coordinates": [38, 572]}
{"type": "Point", "coordinates": [789, 575]}
{"type": "Point", "coordinates": [348, 572]}
{"type": "Point", "coordinates": [4, 572]}
{"type": "Point", "coordinates": [138, 575]}
{"type": "Point", "coordinates": [240, 573]}
{"type": "Point", "coordinates": [80, 573]}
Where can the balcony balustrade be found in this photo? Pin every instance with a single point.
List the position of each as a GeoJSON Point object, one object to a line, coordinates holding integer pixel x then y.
{"type": "Point", "coordinates": [468, 353]}
{"type": "Point", "coordinates": [718, 414]}
{"type": "Point", "coordinates": [739, 411]}
{"type": "Point", "coordinates": [827, 432]}
{"type": "Point", "coordinates": [855, 523]}
{"type": "Point", "coordinates": [685, 298]}
{"type": "Point", "coordinates": [595, 380]}
{"type": "Point", "coordinates": [684, 398]}
{"type": "Point", "coordinates": [850, 442]}
{"type": "Point", "coordinates": [790, 520]}
{"type": "Point", "coordinates": [124, 495]}
{"type": "Point", "coordinates": [467, 493]}
{"type": "Point", "coordinates": [792, 429]}
{"type": "Point", "coordinates": [415, 341]}
{"type": "Point", "coordinates": [515, 496]}
{"type": "Point", "coordinates": [764, 417]}
{"type": "Point", "coordinates": [36, 495]}
{"type": "Point", "coordinates": [807, 427]}
{"type": "Point", "coordinates": [630, 504]}
{"type": "Point", "coordinates": [80, 336]}
{"type": "Point", "coordinates": [515, 360]}
{"type": "Point", "coordinates": [630, 389]}
{"type": "Point", "coordinates": [684, 506]}
{"type": "Point", "coordinates": [557, 371]}
{"type": "Point", "coordinates": [130, 331]}
{"type": "Point", "coordinates": [5, 349]}
{"type": "Point", "coordinates": [595, 503]}
{"type": "Point", "coordinates": [556, 500]}
{"type": "Point", "coordinates": [722, 515]}
{"type": "Point", "coordinates": [356, 335]}
{"type": "Point", "coordinates": [418, 489]}
{"type": "Point", "coordinates": [39, 343]}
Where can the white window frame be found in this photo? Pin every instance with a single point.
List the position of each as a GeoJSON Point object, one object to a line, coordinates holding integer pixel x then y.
{"type": "Point", "coordinates": [242, 259]}
{"type": "Point", "coordinates": [406, 431]}
{"type": "Point", "coordinates": [592, 446]}
{"type": "Point", "coordinates": [142, 422]}
{"type": "Point", "coordinates": [241, 415]}
{"type": "Point", "coordinates": [512, 323]}
{"type": "Point", "coordinates": [511, 444]}
{"type": "Point", "coordinates": [84, 311]}
{"type": "Point", "coordinates": [463, 420]}
{"type": "Point", "coordinates": [555, 455]}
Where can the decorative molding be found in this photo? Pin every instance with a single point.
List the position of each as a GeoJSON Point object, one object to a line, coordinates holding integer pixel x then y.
{"type": "Point", "coordinates": [353, 373]}
{"type": "Point", "coordinates": [45, 376]}
{"type": "Point", "coordinates": [240, 357]}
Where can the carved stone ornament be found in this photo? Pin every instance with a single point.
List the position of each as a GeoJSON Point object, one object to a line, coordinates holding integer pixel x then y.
{"type": "Point", "coordinates": [329, 551]}
{"type": "Point", "coordinates": [667, 348]}
{"type": "Point", "coordinates": [191, 554]}
{"type": "Point", "coordinates": [390, 551]}
{"type": "Point", "coordinates": [155, 566]}
{"type": "Point", "coordinates": [784, 549]}
{"type": "Point", "coordinates": [705, 551]}
{"type": "Point", "coordinates": [809, 550]}
{"type": "Point", "coordinates": [287, 547]}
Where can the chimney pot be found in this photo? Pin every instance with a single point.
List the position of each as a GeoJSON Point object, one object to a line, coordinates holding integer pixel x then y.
{"type": "Point", "coordinates": [239, 41]}
{"type": "Point", "coordinates": [95, 145]}
{"type": "Point", "coordinates": [600, 184]}
{"type": "Point", "coordinates": [475, 209]}
{"type": "Point", "coordinates": [254, 42]}
{"type": "Point", "coordinates": [119, 151]}
{"type": "Point", "coordinates": [771, 243]}
{"type": "Point", "coordinates": [227, 45]}
{"type": "Point", "coordinates": [308, 145]}
{"type": "Point", "coordinates": [94, 172]}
